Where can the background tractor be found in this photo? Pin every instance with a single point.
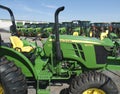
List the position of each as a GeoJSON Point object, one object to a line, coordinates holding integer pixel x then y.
{"type": "Point", "coordinates": [76, 27]}
{"type": "Point", "coordinates": [85, 25]}
{"type": "Point", "coordinates": [115, 28]}
{"type": "Point", "coordinates": [65, 28]}
{"type": "Point", "coordinates": [19, 25]}
{"type": "Point", "coordinates": [47, 30]}
{"type": "Point", "coordinates": [82, 27]}
{"type": "Point", "coordinates": [75, 60]}
{"type": "Point", "coordinates": [97, 28]}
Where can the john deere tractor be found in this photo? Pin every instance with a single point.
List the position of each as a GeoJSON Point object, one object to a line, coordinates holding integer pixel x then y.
{"type": "Point", "coordinates": [76, 27]}
{"type": "Point", "coordinates": [97, 28]}
{"type": "Point", "coordinates": [85, 27]}
{"type": "Point", "coordinates": [65, 28]}
{"type": "Point", "coordinates": [47, 29]}
{"type": "Point", "coordinates": [115, 28]}
{"type": "Point", "coordinates": [82, 27]}
{"type": "Point", "coordinates": [75, 60]}
{"type": "Point", "coordinates": [19, 25]}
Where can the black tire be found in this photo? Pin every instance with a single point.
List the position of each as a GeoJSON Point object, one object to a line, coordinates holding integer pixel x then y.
{"type": "Point", "coordinates": [11, 78]}
{"type": "Point", "coordinates": [91, 80]}
{"type": "Point", "coordinates": [64, 91]}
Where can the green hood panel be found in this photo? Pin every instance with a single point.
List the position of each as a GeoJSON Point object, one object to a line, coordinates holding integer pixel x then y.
{"type": "Point", "coordinates": [69, 41]}
{"type": "Point", "coordinates": [85, 40]}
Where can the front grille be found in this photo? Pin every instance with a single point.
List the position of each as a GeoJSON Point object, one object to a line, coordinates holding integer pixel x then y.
{"type": "Point", "coordinates": [79, 51]}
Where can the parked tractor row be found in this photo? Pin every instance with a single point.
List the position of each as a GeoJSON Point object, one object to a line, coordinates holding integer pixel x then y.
{"type": "Point", "coordinates": [45, 29]}
{"type": "Point", "coordinates": [75, 60]}
{"type": "Point", "coordinates": [83, 28]}
{"type": "Point", "coordinates": [34, 29]}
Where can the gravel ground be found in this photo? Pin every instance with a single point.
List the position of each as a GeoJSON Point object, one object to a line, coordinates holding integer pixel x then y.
{"type": "Point", "coordinates": [57, 89]}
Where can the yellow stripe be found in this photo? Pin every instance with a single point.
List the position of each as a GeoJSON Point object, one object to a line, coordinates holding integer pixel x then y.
{"type": "Point", "coordinates": [76, 41]}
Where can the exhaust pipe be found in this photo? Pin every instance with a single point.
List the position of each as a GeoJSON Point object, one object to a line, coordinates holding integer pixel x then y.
{"type": "Point", "coordinates": [56, 31]}
{"type": "Point", "coordinates": [13, 27]}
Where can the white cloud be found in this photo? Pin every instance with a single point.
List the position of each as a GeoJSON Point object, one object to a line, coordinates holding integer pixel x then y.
{"type": "Point", "coordinates": [49, 6]}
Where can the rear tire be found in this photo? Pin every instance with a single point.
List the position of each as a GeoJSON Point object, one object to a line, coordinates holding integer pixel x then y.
{"type": "Point", "coordinates": [92, 82]}
{"type": "Point", "coordinates": [64, 91]}
{"type": "Point", "coordinates": [12, 81]}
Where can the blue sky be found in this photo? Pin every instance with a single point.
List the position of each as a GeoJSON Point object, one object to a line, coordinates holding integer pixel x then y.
{"type": "Point", "coordinates": [43, 10]}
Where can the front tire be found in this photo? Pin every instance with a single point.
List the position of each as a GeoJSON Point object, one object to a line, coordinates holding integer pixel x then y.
{"type": "Point", "coordinates": [12, 81]}
{"type": "Point", "coordinates": [92, 83]}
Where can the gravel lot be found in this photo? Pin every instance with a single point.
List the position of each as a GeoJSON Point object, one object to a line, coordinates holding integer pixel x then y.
{"type": "Point", "coordinates": [57, 89]}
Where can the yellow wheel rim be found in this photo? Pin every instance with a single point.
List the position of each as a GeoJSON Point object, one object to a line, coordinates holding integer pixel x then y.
{"type": "Point", "coordinates": [93, 91]}
{"type": "Point", "coordinates": [1, 89]}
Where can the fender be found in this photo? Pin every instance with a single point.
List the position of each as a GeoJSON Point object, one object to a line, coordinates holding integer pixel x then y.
{"type": "Point", "coordinates": [20, 60]}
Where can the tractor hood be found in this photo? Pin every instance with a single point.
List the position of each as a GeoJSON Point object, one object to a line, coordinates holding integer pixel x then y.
{"type": "Point", "coordinates": [85, 40]}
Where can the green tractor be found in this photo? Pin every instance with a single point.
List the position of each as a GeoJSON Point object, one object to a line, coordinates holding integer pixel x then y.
{"type": "Point", "coordinates": [19, 25]}
{"type": "Point", "coordinates": [85, 25]}
{"type": "Point", "coordinates": [23, 29]}
{"type": "Point", "coordinates": [47, 30]}
{"type": "Point", "coordinates": [76, 27]}
{"type": "Point", "coordinates": [97, 28]}
{"type": "Point", "coordinates": [75, 60]}
{"type": "Point", "coordinates": [39, 28]}
{"type": "Point", "coordinates": [82, 27]}
{"type": "Point", "coordinates": [115, 28]}
{"type": "Point", "coordinates": [34, 29]}
{"type": "Point", "coordinates": [65, 28]}
{"type": "Point", "coordinates": [26, 29]}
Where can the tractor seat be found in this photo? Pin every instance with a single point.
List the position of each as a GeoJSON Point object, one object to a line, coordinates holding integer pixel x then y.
{"type": "Point", "coordinates": [104, 34]}
{"type": "Point", "coordinates": [18, 45]}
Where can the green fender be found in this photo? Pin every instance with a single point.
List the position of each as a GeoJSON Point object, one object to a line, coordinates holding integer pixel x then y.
{"type": "Point", "coordinates": [20, 60]}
